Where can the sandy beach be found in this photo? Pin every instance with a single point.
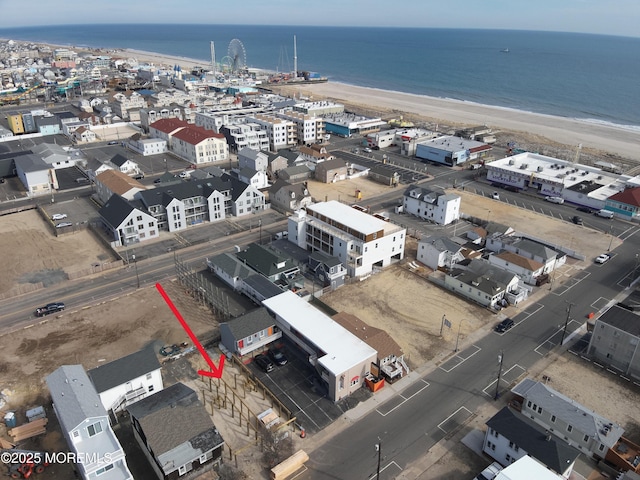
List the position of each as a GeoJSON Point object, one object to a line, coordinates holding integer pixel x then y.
{"type": "Point", "coordinates": [617, 140]}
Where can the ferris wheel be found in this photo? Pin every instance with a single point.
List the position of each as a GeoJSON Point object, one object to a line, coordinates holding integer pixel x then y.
{"type": "Point", "coordinates": [236, 58]}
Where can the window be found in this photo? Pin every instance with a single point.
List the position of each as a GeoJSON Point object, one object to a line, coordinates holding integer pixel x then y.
{"type": "Point", "coordinates": [149, 376]}
{"type": "Point", "coordinates": [151, 388]}
{"type": "Point", "coordinates": [508, 457]}
{"type": "Point", "coordinates": [102, 470]}
{"type": "Point", "coordinates": [510, 446]}
{"type": "Point", "coordinates": [182, 470]}
{"type": "Point", "coordinates": [601, 447]}
{"type": "Point", "coordinates": [76, 434]}
{"type": "Point", "coordinates": [539, 409]}
{"type": "Point", "coordinates": [94, 429]}
{"type": "Point", "coordinates": [529, 404]}
{"type": "Point", "coordinates": [585, 438]}
{"type": "Point", "coordinates": [553, 419]}
{"type": "Point", "coordinates": [569, 428]}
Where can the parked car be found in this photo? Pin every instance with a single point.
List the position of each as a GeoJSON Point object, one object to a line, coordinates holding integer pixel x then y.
{"type": "Point", "coordinates": [64, 224]}
{"type": "Point", "coordinates": [58, 216]}
{"type": "Point", "coordinates": [113, 142]}
{"type": "Point", "coordinates": [264, 363]}
{"type": "Point", "coordinates": [504, 325]}
{"type": "Point", "coordinates": [184, 174]}
{"type": "Point", "coordinates": [367, 149]}
{"type": "Point", "coordinates": [157, 180]}
{"type": "Point", "coordinates": [49, 308]}
{"type": "Point", "coordinates": [490, 472]}
{"type": "Point", "coordinates": [138, 176]}
{"type": "Point", "coordinates": [278, 356]}
{"type": "Point", "coordinates": [603, 258]}
{"type": "Point", "coordinates": [605, 214]}
{"type": "Point", "coordinates": [495, 196]}
{"type": "Point", "coordinates": [585, 209]}
{"type": "Point", "coordinates": [577, 220]}
{"type": "Point", "coordinates": [558, 200]}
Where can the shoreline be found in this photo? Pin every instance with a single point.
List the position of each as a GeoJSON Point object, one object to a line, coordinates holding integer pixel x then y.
{"type": "Point", "coordinates": [605, 137]}
{"type": "Point", "coordinates": [611, 138]}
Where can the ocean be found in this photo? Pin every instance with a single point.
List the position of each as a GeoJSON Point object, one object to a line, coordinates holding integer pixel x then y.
{"type": "Point", "coordinates": [590, 77]}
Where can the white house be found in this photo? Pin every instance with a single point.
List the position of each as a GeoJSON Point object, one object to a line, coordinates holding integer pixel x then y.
{"type": "Point", "coordinates": [85, 425]}
{"type": "Point", "coordinates": [245, 199]}
{"type": "Point", "coordinates": [148, 146]}
{"type": "Point", "coordinates": [126, 224]}
{"type": "Point", "coordinates": [254, 159]}
{"type": "Point", "coordinates": [341, 359]}
{"type": "Point", "coordinates": [438, 207]}
{"type": "Point", "coordinates": [437, 252]}
{"type": "Point", "coordinates": [361, 241]}
{"type": "Point", "coordinates": [83, 135]}
{"type": "Point", "coordinates": [197, 145]}
{"type": "Point", "coordinates": [124, 164]}
{"type": "Point", "coordinates": [127, 380]}
{"type": "Point", "coordinates": [526, 268]}
{"type": "Point", "coordinates": [112, 182]}
{"type": "Point", "coordinates": [37, 176]}
{"type": "Point", "coordinates": [256, 178]}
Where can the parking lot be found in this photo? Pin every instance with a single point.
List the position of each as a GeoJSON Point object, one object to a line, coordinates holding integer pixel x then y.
{"type": "Point", "coordinates": [301, 390]}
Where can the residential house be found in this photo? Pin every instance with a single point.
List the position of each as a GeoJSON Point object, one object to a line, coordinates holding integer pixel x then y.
{"type": "Point", "coordinates": [479, 235]}
{"type": "Point", "coordinates": [112, 182]}
{"type": "Point", "coordinates": [341, 359]}
{"type": "Point", "coordinates": [94, 167]}
{"type": "Point", "coordinates": [439, 252]}
{"type": "Point", "coordinates": [390, 357]}
{"type": "Point", "coordinates": [314, 154]}
{"type": "Point", "coordinates": [281, 160]}
{"type": "Point", "coordinates": [198, 146]}
{"type": "Point", "coordinates": [286, 197]}
{"type": "Point", "coordinates": [166, 128]}
{"type": "Point", "coordinates": [176, 433]}
{"type": "Point", "coordinates": [438, 207]}
{"type": "Point", "coordinates": [361, 241]}
{"type": "Point", "coordinates": [177, 206]}
{"type": "Point", "coordinates": [16, 125]}
{"type": "Point", "coordinates": [615, 338]}
{"type": "Point", "coordinates": [281, 133]}
{"type": "Point", "coordinates": [35, 174]}
{"type": "Point", "coordinates": [48, 125]}
{"type": "Point", "coordinates": [295, 173]}
{"type": "Point", "coordinates": [128, 379]}
{"type": "Point", "coordinates": [538, 251]}
{"type": "Point", "coordinates": [127, 224]}
{"type": "Point", "coordinates": [565, 418]}
{"type": "Point", "coordinates": [511, 436]}
{"type": "Point", "coordinates": [245, 199]}
{"type": "Point", "coordinates": [127, 105]}
{"type": "Point", "coordinates": [526, 468]}
{"type": "Point", "coordinates": [259, 288]}
{"type": "Point", "coordinates": [268, 263]}
{"type": "Point", "coordinates": [309, 128]}
{"type": "Point", "coordinates": [331, 171]}
{"type": "Point", "coordinates": [328, 269]}
{"type": "Point", "coordinates": [483, 283]}
{"type": "Point", "coordinates": [256, 178]}
{"type": "Point", "coordinates": [526, 268]}
{"type": "Point", "coordinates": [244, 134]}
{"type": "Point", "coordinates": [229, 269]}
{"type": "Point", "coordinates": [254, 159]}
{"type": "Point", "coordinates": [83, 134]}
{"type": "Point", "coordinates": [124, 165]}
{"type": "Point", "coordinates": [85, 425]}
{"type": "Point", "coordinates": [250, 332]}
{"type": "Point", "coordinates": [56, 155]}
{"type": "Point", "coordinates": [148, 146]}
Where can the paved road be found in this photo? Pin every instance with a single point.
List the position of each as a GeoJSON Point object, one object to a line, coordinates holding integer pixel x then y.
{"type": "Point", "coordinates": [439, 401]}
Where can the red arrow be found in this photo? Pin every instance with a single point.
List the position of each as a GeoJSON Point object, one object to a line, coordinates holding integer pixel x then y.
{"type": "Point", "coordinates": [216, 372]}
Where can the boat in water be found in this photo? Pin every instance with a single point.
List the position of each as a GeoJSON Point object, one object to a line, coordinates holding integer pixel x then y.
{"type": "Point", "coordinates": [505, 50]}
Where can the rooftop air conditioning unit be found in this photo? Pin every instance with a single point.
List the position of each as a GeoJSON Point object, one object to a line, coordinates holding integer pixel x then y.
{"type": "Point", "coordinates": [540, 168]}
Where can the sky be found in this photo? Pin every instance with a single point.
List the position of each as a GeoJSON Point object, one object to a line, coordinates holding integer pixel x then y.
{"type": "Point", "coordinates": [612, 17]}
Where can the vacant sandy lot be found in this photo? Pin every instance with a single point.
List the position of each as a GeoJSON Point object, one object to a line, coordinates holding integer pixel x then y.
{"type": "Point", "coordinates": [33, 254]}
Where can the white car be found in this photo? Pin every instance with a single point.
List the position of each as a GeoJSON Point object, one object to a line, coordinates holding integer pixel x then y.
{"type": "Point", "coordinates": [64, 224]}
{"type": "Point", "coordinates": [602, 258]}
{"type": "Point", "coordinates": [495, 196]}
{"type": "Point", "coordinates": [367, 149]}
{"type": "Point", "coordinates": [59, 216]}
{"type": "Point", "coordinates": [184, 175]}
{"type": "Point", "coordinates": [490, 472]}
{"type": "Point", "coordinates": [558, 200]}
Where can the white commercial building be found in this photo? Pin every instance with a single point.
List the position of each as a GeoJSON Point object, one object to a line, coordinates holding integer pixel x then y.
{"type": "Point", "coordinates": [282, 133]}
{"type": "Point", "coordinates": [342, 359]}
{"type": "Point", "coordinates": [361, 241]}
{"type": "Point", "coordinates": [437, 207]}
{"type": "Point", "coordinates": [309, 128]}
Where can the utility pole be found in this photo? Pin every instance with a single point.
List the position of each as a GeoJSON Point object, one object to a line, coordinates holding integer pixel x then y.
{"type": "Point", "coordinates": [444, 319]}
{"type": "Point", "coordinates": [379, 449]}
{"type": "Point", "coordinates": [500, 358]}
{"type": "Point", "coordinates": [458, 336]}
{"type": "Point", "coordinates": [566, 321]}
{"type": "Point", "coordinates": [135, 264]}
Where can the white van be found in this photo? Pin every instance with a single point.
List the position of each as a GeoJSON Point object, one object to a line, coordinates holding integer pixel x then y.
{"type": "Point", "coordinates": [558, 200]}
{"type": "Point", "coordinates": [605, 213]}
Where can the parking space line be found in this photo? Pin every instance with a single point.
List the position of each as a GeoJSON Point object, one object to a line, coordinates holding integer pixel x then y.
{"type": "Point", "coordinates": [548, 340]}
{"type": "Point", "coordinates": [451, 416]}
{"type": "Point", "coordinates": [300, 409]}
{"type": "Point", "coordinates": [385, 467]}
{"type": "Point", "coordinates": [461, 358]}
{"type": "Point", "coordinates": [503, 379]}
{"type": "Point", "coordinates": [404, 399]}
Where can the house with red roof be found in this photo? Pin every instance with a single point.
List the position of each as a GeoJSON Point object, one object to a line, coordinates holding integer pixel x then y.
{"type": "Point", "coordinates": [165, 128]}
{"type": "Point", "coordinates": [625, 203]}
{"type": "Point", "coordinates": [197, 145]}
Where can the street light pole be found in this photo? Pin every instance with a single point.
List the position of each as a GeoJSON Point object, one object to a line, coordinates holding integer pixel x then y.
{"type": "Point", "coordinates": [500, 358]}
{"type": "Point", "coordinates": [458, 336]}
{"type": "Point", "coordinates": [442, 324]}
{"type": "Point", "coordinates": [135, 264]}
{"type": "Point", "coordinates": [379, 449]}
{"type": "Point", "coordinates": [566, 322]}
{"type": "Point", "coordinates": [260, 225]}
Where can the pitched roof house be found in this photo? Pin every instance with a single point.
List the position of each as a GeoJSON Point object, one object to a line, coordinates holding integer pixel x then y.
{"type": "Point", "coordinates": [85, 424]}
{"type": "Point", "coordinates": [128, 379]}
{"type": "Point", "coordinates": [625, 203]}
{"type": "Point", "coordinates": [111, 182]}
{"type": "Point", "coordinates": [126, 223]}
{"type": "Point", "coordinates": [287, 197]}
{"type": "Point", "coordinates": [176, 433]}
{"type": "Point", "coordinates": [249, 332]}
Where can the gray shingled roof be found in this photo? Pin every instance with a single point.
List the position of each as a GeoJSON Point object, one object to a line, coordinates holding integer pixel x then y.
{"type": "Point", "coordinates": [233, 267]}
{"type": "Point", "coordinates": [550, 451]}
{"type": "Point", "coordinates": [124, 369]}
{"type": "Point", "coordinates": [176, 425]}
{"type": "Point", "coordinates": [263, 285]}
{"type": "Point", "coordinates": [182, 190]}
{"type": "Point", "coordinates": [115, 210]}
{"type": "Point", "coordinates": [250, 323]}
{"type": "Point", "coordinates": [328, 260]}
{"type": "Point", "coordinates": [74, 396]}
{"type": "Point", "coordinates": [569, 411]}
{"type": "Point", "coordinates": [622, 319]}
{"type": "Point", "coordinates": [265, 261]}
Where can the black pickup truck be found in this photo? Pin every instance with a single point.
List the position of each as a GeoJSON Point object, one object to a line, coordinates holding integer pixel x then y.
{"type": "Point", "coordinates": [49, 308]}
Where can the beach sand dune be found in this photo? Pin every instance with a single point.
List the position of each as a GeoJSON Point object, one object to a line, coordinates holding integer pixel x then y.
{"type": "Point", "coordinates": [623, 141]}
